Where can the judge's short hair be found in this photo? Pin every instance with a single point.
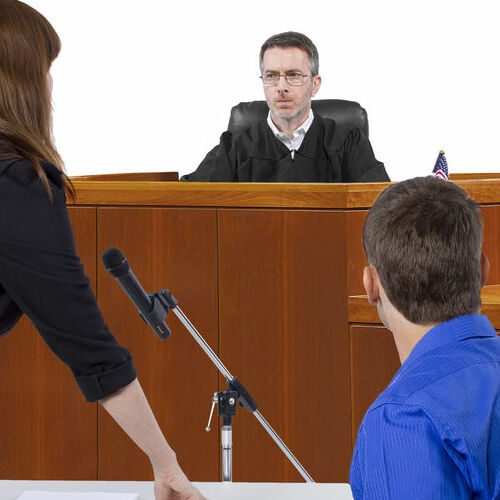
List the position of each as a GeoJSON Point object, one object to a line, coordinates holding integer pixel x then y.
{"type": "Point", "coordinates": [293, 39]}
{"type": "Point", "coordinates": [424, 238]}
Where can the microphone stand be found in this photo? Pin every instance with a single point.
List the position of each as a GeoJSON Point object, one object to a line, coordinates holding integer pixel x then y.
{"type": "Point", "coordinates": [227, 399]}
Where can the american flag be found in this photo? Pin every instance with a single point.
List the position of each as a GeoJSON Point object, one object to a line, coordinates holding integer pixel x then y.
{"type": "Point", "coordinates": [441, 167]}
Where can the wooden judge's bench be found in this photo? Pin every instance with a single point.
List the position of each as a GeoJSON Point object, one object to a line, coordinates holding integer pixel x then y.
{"type": "Point", "coordinates": [270, 274]}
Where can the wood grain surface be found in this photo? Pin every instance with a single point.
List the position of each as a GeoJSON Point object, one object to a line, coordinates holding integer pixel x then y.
{"type": "Point", "coordinates": [131, 177]}
{"type": "Point", "coordinates": [490, 298]}
{"type": "Point", "coordinates": [246, 195]}
{"type": "Point", "coordinates": [374, 361]}
{"type": "Point", "coordinates": [356, 259]}
{"type": "Point", "coordinates": [361, 311]}
{"type": "Point", "coordinates": [210, 194]}
{"type": "Point", "coordinates": [283, 319]}
{"type": "Point", "coordinates": [491, 244]}
{"type": "Point", "coordinates": [465, 176]}
{"type": "Point", "coordinates": [264, 271]}
{"type": "Point", "coordinates": [174, 249]}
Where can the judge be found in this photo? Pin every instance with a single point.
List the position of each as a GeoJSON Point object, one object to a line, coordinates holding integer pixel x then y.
{"type": "Point", "coordinates": [293, 144]}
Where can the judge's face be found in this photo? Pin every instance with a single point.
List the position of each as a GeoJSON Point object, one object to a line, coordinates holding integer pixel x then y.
{"type": "Point", "coordinates": [286, 101]}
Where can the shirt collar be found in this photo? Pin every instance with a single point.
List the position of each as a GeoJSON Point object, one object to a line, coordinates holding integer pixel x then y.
{"type": "Point", "coordinates": [301, 130]}
{"type": "Point", "coordinates": [455, 330]}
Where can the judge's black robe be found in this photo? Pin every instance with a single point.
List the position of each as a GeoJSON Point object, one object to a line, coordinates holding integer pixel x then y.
{"type": "Point", "coordinates": [327, 154]}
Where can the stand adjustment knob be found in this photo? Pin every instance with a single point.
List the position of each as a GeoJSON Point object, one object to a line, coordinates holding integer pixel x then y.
{"type": "Point", "coordinates": [214, 401]}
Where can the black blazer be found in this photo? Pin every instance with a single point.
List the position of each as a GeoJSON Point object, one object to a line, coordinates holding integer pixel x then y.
{"type": "Point", "coordinates": [42, 276]}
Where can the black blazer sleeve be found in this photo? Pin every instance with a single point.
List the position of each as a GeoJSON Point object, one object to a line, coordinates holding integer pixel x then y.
{"type": "Point", "coordinates": [220, 164]}
{"type": "Point", "coordinates": [358, 161]}
{"type": "Point", "coordinates": [42, 274]}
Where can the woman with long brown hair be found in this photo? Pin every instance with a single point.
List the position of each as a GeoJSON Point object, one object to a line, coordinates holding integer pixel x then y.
{"type": "Point", "coordinates": [40, 272]}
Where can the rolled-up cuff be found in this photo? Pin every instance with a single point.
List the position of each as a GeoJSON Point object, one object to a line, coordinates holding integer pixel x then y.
{"type": "Point", "coordinates": [100, 385]}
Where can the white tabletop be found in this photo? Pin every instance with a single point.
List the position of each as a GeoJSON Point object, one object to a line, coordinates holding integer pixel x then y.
{"type": "Point", "coordinates": [11, 490]}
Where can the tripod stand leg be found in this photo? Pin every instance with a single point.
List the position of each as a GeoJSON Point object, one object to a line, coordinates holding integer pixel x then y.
{"type": "Point", "coordinates": [227, 453]}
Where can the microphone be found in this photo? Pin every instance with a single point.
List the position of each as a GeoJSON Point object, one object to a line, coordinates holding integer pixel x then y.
{"type": "Point", "coordinates": [150, 308]}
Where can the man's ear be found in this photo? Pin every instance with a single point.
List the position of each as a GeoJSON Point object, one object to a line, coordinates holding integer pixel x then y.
{"type": "Point", "coordinates": [316, 84]}
{"type": "Point", "coordinates": [370, 282]}
{"type": "Point", "coordinates": [485, 269]}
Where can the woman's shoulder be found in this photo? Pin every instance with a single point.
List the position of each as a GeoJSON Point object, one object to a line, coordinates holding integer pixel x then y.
{"type": "Point", "coordinates": [6, 164]}
{"type": "Point", "coordinates": [20, 180]}
{"type": "Point", "coordinates": [23, 170]}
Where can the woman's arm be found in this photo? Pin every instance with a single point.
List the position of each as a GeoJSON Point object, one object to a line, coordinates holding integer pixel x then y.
{"type": "Point", "coordinates": [131, 411]}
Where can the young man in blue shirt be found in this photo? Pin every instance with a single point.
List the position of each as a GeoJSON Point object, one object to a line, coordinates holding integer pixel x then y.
{"type": "Point", "coordinates": [434, 433]}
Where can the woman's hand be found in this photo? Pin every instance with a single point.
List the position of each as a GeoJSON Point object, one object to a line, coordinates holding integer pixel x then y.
{"type": "Point", "coordinates": [172, 484]}
{"type": "Point", "coordinates": [131, 411]}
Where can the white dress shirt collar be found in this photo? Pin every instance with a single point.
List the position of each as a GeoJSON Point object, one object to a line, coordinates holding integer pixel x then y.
{"type": "Point", "coordinates": [298, 135]}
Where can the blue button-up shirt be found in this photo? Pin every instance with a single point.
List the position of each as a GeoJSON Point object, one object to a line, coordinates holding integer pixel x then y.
{"type": "Point", "coordinates": [434, 433]}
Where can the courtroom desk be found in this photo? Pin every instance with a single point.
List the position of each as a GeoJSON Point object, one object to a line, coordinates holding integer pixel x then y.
{"type": "Point", "coordinates": [10, 490]}
{"type": "Point", "coordinates": [486, 175]}
{"type": "Point", "coordinates": [264, 271]}
{"type": "Point", "coordinates": [374, 358]}
{"type": "Point", "coordinates": [131, 177]}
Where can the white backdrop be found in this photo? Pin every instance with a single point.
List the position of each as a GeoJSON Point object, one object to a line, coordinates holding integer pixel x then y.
{"type": "Point", "coordinates": [148, 86]}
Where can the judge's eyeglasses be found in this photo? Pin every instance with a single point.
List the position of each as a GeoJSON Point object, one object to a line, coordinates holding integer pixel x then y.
{"type": "Point", "coordinates": [295, 78]}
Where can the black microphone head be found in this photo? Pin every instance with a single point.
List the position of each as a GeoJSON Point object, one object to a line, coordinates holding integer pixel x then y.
{"type": "Point", "coordinates": [115, 262]}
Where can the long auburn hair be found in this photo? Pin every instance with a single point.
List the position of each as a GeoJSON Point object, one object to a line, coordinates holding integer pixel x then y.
{"type": "Point", "coordinates": [28, 46]}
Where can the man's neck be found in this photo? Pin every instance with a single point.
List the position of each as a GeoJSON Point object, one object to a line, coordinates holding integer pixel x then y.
{"type": "Point", "coordinates": [288, 127]}
{"type": "Point", "coordinates": [406, 334]}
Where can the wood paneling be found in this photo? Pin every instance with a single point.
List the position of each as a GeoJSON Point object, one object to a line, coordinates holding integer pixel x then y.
{"type": "Point", "coordinates": [483, 191]}
{"type": "Point", "coordinates": [281, 297]}
{"type": "Point", "coordinates": [491, 246]}
{"type": "Point", "coordinates": [487, 175]}
{"type": "Point", "coordinates": [131, 177]}
{"type": "Point", "coordinates": [363, 195]}
{"type": "Point", "coordinates": [211, 194]}
{"type": "Point", "coordinates": [356, 259]}
{"type": "Point", "coordinates": [47, 429]}
{"type": "Point", "coordinates": [283, 320]}
{"type": "Point", "coordinates": [248, 195]}
{"type": "Point", "coordinates": [374, 361]}
{"type": "Point", "coordinates": [490, 298]}
{"type": "Point", "coordinates": [361, 311]}
{"type": "Point", "coordinates": [174, 249]}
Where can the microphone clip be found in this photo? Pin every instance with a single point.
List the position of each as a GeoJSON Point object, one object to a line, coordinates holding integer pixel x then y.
{"type": "Point", "coordinates": [166, 298]}
{"type": "Point", "coordinates": [162, 301]}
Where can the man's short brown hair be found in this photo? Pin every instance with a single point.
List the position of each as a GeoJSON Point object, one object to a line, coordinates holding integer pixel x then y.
{"type": "Point", "coordinates": [292, 39]}
{"type": "Point", "coordinates": [424, 238]}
